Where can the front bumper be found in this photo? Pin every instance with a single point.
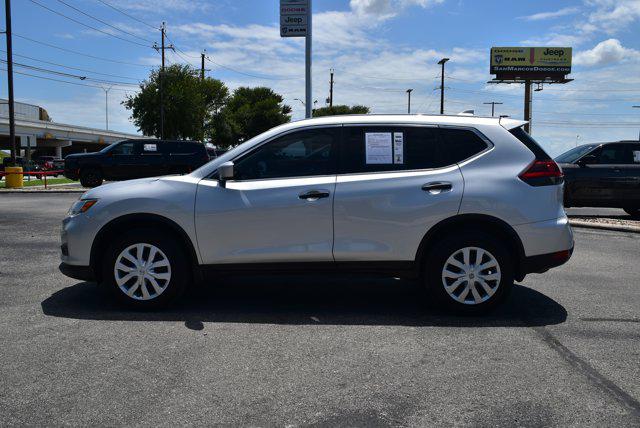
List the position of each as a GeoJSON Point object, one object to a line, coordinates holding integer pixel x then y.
{"type": "Point", "coordinates": [84, 273]}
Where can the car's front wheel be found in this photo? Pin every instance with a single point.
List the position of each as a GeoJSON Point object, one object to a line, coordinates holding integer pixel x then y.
{"type": "Point", "coordinates": [469, 272]}
{"type": "Point", "coordinates": [145, 269]}
{"type": "Point", "coordinates": [90, 177]}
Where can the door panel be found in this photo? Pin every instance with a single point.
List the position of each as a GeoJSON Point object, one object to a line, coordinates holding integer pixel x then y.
{"type": "Point", "coordinates": [384, 216]}
{"type": "Point", "coordinates": [261, 221]}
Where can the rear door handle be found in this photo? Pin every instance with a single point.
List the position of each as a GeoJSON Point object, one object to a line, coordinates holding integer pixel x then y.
{"type": "Point", "coordinates": [436, 187]}
{"type": "Point", "coordinates": [314, 195]}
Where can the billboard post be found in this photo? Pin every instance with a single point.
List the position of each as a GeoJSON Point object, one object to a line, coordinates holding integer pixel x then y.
{"type": "Point", "coordinates": [530, 65]}
{"type": "Point", "coordinates": [295, 21]}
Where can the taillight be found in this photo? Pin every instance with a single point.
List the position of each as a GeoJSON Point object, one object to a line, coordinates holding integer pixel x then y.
{"type": "Point", "coordinates": [542, 173]}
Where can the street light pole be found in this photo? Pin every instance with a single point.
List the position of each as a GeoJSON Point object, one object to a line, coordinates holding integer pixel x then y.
{"type": "Point", "coordinates": [12, 117]}
{"type": "Point", "coordinates": [639, 131]}
{"type": "Point", "coordinates": [441, 62]}
{"type": "Point", "coordinates": [106, 106]}
{"type": "Point", "coordinates": [409, 101]}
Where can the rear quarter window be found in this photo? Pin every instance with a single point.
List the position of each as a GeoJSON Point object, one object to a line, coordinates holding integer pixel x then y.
{"type": "Point", "coordinates": [531, 144]}
{"type": "Point", "coordinates": [460, 144]}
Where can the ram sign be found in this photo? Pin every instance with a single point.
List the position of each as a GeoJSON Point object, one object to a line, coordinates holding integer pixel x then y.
{"type": "Point", "coordinates": [530, 61]}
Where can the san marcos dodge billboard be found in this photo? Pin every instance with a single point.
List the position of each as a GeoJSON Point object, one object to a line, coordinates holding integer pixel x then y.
{"type": "Point", "coordinates": [508, 60]}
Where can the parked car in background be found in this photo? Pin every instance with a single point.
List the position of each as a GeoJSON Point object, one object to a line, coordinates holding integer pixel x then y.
{"type": "Point", "coordinates": [603, 175]}
{"type": "Point", "coordinates": [468, 204]}
{"type": "Point", "coordinates": [49, 163]}
{"type": "Point", "coordinates": [130, 159]}
{"type": "Point", "coordinates": [27, 166]}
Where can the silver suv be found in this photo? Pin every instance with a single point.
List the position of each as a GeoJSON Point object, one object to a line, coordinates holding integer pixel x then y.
{"type": "Point", "coordinates": [466, 204]}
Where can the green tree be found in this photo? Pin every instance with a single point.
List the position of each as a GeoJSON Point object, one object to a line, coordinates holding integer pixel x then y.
{"type": "Point", "coordinates": [247, 113]}
{"type": "Point", "coordinates": [190, 103]}
{"type": "Point", "coordinates": [340, 109]}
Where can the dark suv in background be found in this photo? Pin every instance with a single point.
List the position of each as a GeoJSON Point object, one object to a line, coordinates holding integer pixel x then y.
{"type": "Point", "coordinates": [603, 175]}
{"type": "Point", "coordinates": [130, 159]}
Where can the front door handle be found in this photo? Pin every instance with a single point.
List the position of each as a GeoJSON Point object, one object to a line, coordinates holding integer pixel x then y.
{"type": "Point", "coordinates": [436, 187]}
{"type": "Point", "coordinates": [314, 195]}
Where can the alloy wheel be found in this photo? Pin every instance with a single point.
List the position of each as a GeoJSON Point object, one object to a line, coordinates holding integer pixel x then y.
{"type": "Point", "coordinates": [471, 275]}
{"type": "Point", "coordinates": [142, 271]}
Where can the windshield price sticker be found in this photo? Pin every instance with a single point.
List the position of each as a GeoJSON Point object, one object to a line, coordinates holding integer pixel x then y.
{"type": "Point", "coordinates": [150, 148]}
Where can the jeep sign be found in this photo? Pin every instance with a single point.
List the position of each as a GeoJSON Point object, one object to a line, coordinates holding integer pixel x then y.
{"type": "Point", "coordinates": [294, 16]}
{"type": "Point", "coordinates": [542, 61]}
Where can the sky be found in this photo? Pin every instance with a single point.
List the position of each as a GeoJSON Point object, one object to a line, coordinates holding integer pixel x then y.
{"type": "Point", "coordinates": [377, 48]}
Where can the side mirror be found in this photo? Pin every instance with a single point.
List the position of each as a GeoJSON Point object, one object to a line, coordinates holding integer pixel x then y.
{"type": "Point", "coordinates": [225, 172]}
{"type": "Point", "coordinates": [587, 160]}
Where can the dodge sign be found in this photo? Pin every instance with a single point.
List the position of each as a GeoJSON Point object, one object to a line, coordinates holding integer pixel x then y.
{"type": "Point", "coordinates": [509, 60]}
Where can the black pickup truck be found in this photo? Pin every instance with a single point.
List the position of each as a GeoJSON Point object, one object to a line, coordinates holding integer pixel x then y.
{"type": "Point", "coordinates": [129, 159]}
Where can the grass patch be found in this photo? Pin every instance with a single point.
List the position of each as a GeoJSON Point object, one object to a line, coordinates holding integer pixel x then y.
{"type": "Point", "coordinates": [38, 182]}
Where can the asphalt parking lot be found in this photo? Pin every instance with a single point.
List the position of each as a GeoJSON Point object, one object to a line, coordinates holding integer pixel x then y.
{"type": "Point", "coordinates": [297, 351]}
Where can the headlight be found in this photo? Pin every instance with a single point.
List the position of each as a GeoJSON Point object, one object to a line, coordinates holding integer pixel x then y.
{"type": "Point", "coordinates": [81, 206]}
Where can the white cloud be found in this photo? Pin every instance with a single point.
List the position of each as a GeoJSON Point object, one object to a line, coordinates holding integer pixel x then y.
{"type": "Point", "coordinates": [607, 52]}
{"type": "Point", "coordinates": [612, 16]}
{"type": "Point", "coordinates": [384, 9]}
{"type": "Point", "coordinates": [551, 15]}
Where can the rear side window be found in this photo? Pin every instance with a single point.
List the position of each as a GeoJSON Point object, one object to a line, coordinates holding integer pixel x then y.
{"type": "Point", "coordinates": [185, 147]}
{"type": "Point", "coordinates": [374, 149]}
{"type": "Point", "coordinates": [460, 144]}
{"type": "Point", "coordinates": [531, 144]}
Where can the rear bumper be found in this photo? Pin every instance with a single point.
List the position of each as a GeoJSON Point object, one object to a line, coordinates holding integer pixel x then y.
{"type": "Point", "coordinates": [543, 262]}
{"type": "Point", "coordinates": [84, 273]}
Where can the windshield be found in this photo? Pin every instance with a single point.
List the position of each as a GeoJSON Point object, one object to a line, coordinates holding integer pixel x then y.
{"type": "Point", "coordinates": [575, 153]}
{"type": "Point", "coordinates": [110, 146]}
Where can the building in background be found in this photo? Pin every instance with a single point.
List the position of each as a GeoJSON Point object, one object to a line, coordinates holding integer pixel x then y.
{"type": "Point", "coordinates": [37, 134]}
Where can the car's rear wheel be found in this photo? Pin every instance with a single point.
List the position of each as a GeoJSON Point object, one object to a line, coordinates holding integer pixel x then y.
{"type": "Point", "coordinates": [633, 212]}
{"type": "Point", "coordinates": [90, 177]}
{"type": "Point", "coordinates": [145, 269]}
{"type": "Point", "coordinates": [469, 272]}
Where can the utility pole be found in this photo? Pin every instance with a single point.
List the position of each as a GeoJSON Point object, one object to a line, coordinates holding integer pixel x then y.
{"type": "Point", "coordinates": [106, 105]}
{"type": "Point", "coordinates": [527, 106]}
{"type": "Point", "coordinates": [12, 117]}
{"type": "Point", "coordinates": [162, 48]}
{"type": "Point", "coordinates": [493, 107]}
{"type": "Point", "coordinates": [202, 65]}
{"type": "Point", "coordinates": [441, 62]}
{"type": "Point", "coordinates": [409, 101]}
{"type": "Point", "coordinates": [331, 90]}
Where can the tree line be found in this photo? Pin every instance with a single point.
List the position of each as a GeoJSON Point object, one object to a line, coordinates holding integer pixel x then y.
{"type": "Point", "coordinates": [205, 109]}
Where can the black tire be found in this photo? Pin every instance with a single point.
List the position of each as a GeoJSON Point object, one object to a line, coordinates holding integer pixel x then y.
{"type": "Point", "coordinates": [173, 287]}
{"type": "Point", "coordinates": [90, 177]}
{"type": "Point", "coordinates": [633, 212]}
{"type": "Point", "coordinates": [449, 246]}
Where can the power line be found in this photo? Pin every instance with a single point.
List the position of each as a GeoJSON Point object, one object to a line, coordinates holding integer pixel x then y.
{"type": "Point", "coordinates": [127, 15]}
{"type": "Point", "coordinates": [249, 74]}
{"type": "Point", "coordinates": [64, 81]}
{"type": "Point", "coordinates": [81, 53]}
{"type": "Point", "coordinates": [45, 70]}
{"type": "Point", "coordinates": [410, 79]}
{"type": "Point", "coordinates": [72, 68]}
{"type": "Point", "coordinates": [87, 25]}
{"type": "Point", "coordinates": [102, 21]}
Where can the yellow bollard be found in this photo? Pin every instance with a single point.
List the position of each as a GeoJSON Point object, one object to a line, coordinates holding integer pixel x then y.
{"type": "Point", "coordinates": [14, 180]}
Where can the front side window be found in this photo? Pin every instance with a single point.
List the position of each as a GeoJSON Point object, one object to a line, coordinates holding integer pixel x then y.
{"type": "Point", "coordinates": [615, 154]}
{"type": "Point", "coordinates": [299, 154]}
{"type": "Point", "coordinates": [127, 148]}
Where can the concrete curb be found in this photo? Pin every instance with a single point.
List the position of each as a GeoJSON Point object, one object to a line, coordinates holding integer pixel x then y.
{"type": "Point", "coordinates": [592, 225]}
{"type": "Point", "coordinates": [14, 191]}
